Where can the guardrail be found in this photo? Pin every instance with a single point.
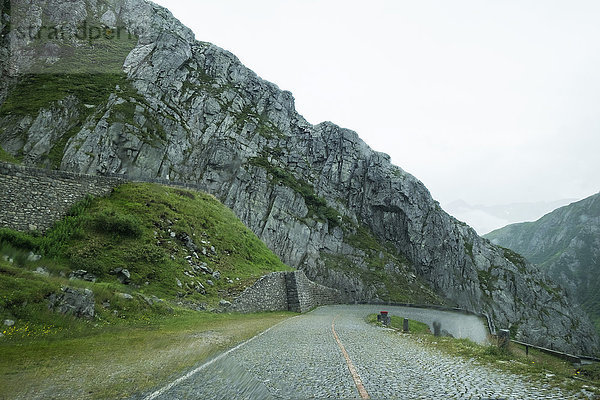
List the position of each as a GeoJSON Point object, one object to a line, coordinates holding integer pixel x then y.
{"type": "Point", "coordinates": [565, 356]}
{"type": "Point", "coordinates": [491, 328]}
{"type": "Point", "coordinates": [490, 324]}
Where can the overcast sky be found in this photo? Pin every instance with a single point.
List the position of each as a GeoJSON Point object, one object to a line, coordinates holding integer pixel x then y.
{"type": "Point", "coordinates": [489, 101]}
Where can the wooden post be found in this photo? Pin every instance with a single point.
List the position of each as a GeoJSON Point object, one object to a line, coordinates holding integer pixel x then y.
{"type": "Point", "coordinates": [405, 325]}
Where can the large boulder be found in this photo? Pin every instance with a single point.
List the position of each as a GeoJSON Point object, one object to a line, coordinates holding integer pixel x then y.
{"type": "Point", "coordinates": [76, 302]}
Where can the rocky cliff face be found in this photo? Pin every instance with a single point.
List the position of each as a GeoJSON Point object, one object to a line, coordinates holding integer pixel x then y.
{"type": "Point", "coordinates": [316, 194]}
{"type": "Point", "coordinates": [565, 243]}
{"type": "Point", "coordinates": [4, 47]}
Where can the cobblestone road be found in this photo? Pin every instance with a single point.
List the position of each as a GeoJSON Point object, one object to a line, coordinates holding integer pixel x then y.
{"type": "Point", "coordinates": [300, 359]}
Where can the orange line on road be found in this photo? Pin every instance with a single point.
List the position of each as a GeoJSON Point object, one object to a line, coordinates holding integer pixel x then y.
{"type": "Point", "coordinates": [359, 385]}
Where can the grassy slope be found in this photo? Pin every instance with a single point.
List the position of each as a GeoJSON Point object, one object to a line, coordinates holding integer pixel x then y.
{"type": "Point", "coordinates": [140, 227]}
{"type": "Point", "coordinates": [7, 157]}
{"type": "Point", "coordinates": [158, 258]}
{"type": "Point", "coordinates": [129, 229]}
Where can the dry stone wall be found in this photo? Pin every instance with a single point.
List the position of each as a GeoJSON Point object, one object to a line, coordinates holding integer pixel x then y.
{"type": "Point", "coordinates": [267, 294]}
{"type": "Point", "coordinates": [34, 199]}
{"type": "Point", "coordinates": [286, 291]}
{"type": "Point", "coordinates": [323, 295]}
{"type": "Point", "coordinates": [312, 294]}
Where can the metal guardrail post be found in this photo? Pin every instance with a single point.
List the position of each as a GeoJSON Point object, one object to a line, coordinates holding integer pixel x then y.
{"type": "Point", "coordinates": [437, 328]}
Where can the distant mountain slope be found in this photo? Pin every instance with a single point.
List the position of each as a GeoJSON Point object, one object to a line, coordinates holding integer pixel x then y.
{"type": "Point", "coordinates": [485, 219]}
{"type": "Point", "coordinates": [566, 243]}
{"type": "Point", "coordinates": [317, 195]}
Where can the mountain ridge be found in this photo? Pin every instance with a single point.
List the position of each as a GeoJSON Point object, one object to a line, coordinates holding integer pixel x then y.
{"type": "Point", "coordinates": [486, 218]}
{"type": "Point", "coordinates": [565, 243]}
{"type": "Point", "coordinates": [318, 196]}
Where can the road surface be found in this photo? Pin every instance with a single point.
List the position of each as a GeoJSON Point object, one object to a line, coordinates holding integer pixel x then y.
{"type": "Point", "coordinates": [332, 353]}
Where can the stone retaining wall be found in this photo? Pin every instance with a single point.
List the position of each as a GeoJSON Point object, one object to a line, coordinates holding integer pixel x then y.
{"type": "Point", "coordinates": [312, 294]}
{"type": "Point", "coordinates": [267, 294]}
{"type": "Point", "coordinates": [273, 293]}
{"type": "Point", "coordinates": [37, 198]}
{"type": "Point", "coordinates": [34, 199]}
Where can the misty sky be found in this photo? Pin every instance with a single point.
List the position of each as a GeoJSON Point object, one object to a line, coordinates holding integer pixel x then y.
{"type": "Point", "coordinates": [491, 102]}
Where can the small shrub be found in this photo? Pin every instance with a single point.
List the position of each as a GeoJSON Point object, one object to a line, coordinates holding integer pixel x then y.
{"type": "Point", "coordinates": [518, 260]}
{"type": "Point", "coordinates": [497, 352]}
{"type": "Point", "coordinates": [81, 206]}
{"type": "Point", "coordinates": [469, 249]}
{"type": "Point", "coordinates": [111, 222]}
{"type": "Point", "coordinates": [54, 243]}
{"type": "Point", "coordinates": [18, 239]}
{"type": "Point", "coordinates": [19, 257]}
{"type": "Point", "coordinates": [590, 372]}
{"type": "Point", "coordinates": [185, 193]}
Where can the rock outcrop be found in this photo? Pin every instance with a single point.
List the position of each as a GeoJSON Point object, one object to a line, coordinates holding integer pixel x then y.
{"type": "Point", "coordinates": [315, 194]}
{"type": "Point", "coordinates": [76, 302]}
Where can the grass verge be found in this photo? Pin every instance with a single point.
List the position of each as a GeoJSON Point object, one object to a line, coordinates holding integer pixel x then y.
{"type": "Point", "coordinates": [535, 366]}
{"type": "Point", "coordinates": [416, 327]}
{"type": "Point", "coordinates": [119, 361]}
